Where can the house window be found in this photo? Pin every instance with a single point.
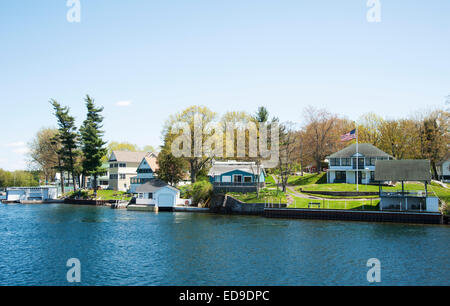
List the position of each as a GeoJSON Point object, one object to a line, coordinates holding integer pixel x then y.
{"type": "Point", "coordinates": [335, 162]}
{"type": "Point", "coordinates": [150, 195]}
{"type": "Point", "coordinates": [372, 176]}
{"type": "Point", "coordinates": [363, 175]}
{"type": "Point", "coordinates": [113, 176]}
{"type": "Point", "coordinates": [238, 178]}
{"type": "Point", "coordinates": [141, 196]}
{"type": "Point", "coordinates": [123, 176]}
{"type": "Point", "coordinates": [122, 165]}
{"type": "Point", "coordinates": [341, 176]}
{"type": "Point", "coordinates": [226, 179]}
{"type": "Point", "coordinates": [346, 162]}
{"type": "Point", "coordinates": [248, 179]}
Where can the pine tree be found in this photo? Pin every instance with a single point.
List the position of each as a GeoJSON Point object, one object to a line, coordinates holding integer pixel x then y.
{"type": "Point", "coordinates": [92, 144]}
{"type": "Point", "coordinates": [67, 137]}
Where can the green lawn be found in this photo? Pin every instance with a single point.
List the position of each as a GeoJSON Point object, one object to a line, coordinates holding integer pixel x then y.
{"type": "Point", "coordinates": [341, 204]}
{"type": "Point", "coordinates": [307, 179]}
{"type": "Point", "coordinates": [104, 195]}
{"type": "Point", "coordinates": [270, 182]}
{"type": "Point", "coordinates": [265, 195]}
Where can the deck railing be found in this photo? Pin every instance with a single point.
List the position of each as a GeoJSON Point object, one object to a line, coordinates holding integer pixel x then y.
{"type": "Point", "coordinates": [216, 184]}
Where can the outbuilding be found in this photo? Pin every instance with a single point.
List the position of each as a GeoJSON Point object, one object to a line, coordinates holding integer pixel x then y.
{"type": "Point", "coordinates": [404, 171]}
{"type": "Point", "coordinates": [158, 193]}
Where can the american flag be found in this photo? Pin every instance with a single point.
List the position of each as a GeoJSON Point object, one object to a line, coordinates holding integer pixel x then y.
{"type": "Point", "coordinates": [349, 136]}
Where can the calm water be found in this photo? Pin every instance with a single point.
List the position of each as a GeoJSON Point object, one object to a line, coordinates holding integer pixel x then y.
{"type": "Point", "coordinates": [117, 247]}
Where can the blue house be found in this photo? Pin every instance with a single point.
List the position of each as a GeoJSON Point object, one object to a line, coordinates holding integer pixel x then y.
{"type": "Point", "coordinates": [236, 176]}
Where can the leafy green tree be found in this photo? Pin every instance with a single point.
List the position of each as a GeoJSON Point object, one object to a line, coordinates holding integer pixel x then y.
{"type": "Point", "coordinates": [67, 137]}
{"type": "Point", "coordinates": [171, 168]}
{"type": "Point", "coordinates": [92, 144]}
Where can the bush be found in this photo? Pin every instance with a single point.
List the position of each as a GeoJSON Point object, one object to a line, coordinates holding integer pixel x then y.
{"type": "Point", "coordinates": [201, 192]}
{"type": "Point", "coordinates": [185, 191]}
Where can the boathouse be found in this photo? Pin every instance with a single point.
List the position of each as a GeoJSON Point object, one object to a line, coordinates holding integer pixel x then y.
{"type": "Point", "coordinates": [44, 193]}
{"type": "Point", "coordinates": [158, 193]}
{"type": "Point", "coordinates": [406, 171]}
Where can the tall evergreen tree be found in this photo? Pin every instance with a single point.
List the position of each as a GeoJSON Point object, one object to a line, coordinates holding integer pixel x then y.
{"type": "Point", "coordinates": [67, 137]}
{"type": "Point", "coordinates": [92, 144]}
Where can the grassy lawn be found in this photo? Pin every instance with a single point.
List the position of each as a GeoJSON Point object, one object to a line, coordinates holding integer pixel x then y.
{"type": "Point", "coordinates": [270, 182]}
{"type": "Point", "coordinates": [308, 179]}
{"type": "Point", "coordinates": [104, 195]}
{"type": "Point", "coordinates": [342, 204]}
{"type": "Point", "coordinates": [264, 195]}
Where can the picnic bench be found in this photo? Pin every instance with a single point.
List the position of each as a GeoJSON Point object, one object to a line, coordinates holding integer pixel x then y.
{"type": "Point", "coordinates": [313, 203]}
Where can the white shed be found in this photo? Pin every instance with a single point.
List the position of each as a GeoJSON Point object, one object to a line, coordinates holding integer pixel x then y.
{"type": "Point", "coordinates": [158, 193]}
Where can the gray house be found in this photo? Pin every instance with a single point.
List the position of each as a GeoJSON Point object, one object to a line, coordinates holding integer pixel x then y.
{"type": "Point", "coordinates": [344, 164]}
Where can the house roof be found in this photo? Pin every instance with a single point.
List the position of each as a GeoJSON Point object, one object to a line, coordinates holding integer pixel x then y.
{"type": "Point", "coordinates": [402, 170]}
{"type": "Point", "coordinates": [365, 149]}
{"type": "Point", "coordinates": [153, 186]}
{"type": "Point", "coordinates": [446, 158]}
{"type": "Point", "coordinates": [220, 168]}
{"type": "Point", "coordinates": [152, 161]}
{"type": "Point", "coordinates": [132, 157]}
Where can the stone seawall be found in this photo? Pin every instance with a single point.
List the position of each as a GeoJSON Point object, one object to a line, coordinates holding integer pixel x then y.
{"type": "Point", "coordinates": [228, 205]}
{"type": "Point", "coordinates": [349, 215]}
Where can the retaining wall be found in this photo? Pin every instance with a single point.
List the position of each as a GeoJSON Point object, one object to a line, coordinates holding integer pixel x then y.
{"type": "Point", "coordinates": [349, 215]}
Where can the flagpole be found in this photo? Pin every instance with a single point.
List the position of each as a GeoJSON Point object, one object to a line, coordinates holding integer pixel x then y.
{"type": "Point", "coordinates": [357, 159]}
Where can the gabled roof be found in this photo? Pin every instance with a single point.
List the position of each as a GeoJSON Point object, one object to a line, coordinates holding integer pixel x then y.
{"type": "Point", "coordinates": [126, 156]}
{"type": "Point", "coordinates": [220, 168]}
{"type": "Point", "coordinates": [365, 149]}
{"type": "Point", "coordinates": [402, 170]}
{"type": "Point", "coordinates": [152, 161]}
{"type": "Point", "coordinates": [153, 186]}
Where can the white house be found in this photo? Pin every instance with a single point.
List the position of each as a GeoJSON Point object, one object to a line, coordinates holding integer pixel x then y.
{"type": "Point", "coordinates": [145, 172]}
{"type": "Point", "coordinates": [345, 164]}
{"type": "Point", "coordinates": [158, 193]}
{"type": "Point", "coordinates": [443, 169]}
{"type": "Point", "coordinates": [122, 167]}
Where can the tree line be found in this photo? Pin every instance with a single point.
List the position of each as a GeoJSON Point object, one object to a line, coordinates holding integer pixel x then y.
{"type": "Point", "coordinates": [424, 136]}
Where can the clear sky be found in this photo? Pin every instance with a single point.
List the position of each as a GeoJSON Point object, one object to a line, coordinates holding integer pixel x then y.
{"type": "Point", "coordinates": [144, 60]}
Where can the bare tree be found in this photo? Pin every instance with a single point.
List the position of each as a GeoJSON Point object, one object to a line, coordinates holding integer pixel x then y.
{"type": "Point", "coordinates": [287, 154]}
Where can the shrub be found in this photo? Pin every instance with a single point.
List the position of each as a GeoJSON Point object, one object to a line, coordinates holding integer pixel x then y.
{"type": "Point", "coordinates": [201, 192]}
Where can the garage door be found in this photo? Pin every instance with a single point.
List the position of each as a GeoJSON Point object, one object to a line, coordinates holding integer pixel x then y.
{"type": "Point", "coordinates": [166, 200]}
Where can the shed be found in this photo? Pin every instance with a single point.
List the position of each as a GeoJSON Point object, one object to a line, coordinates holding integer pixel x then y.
{"type": "Point", "coordinates": [404, 171]}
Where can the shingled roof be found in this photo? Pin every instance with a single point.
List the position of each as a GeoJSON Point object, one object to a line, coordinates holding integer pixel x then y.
{"type": "Point", "coordinates": [131, 157]}
{"type": "Point", "coordinates": [365, 149]}
{"type": "Point", "coordinates": [153, 186]}
{"type": "Point", "coordinates": [402, 170]}
{"type": "Point", "coordinates": [220, 168]}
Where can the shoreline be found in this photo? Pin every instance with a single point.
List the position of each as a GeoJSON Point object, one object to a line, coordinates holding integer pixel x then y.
{"type": "Point", "coordinates": [291, 213]}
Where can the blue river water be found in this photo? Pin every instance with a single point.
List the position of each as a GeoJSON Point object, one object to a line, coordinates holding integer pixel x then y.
{"type": "Point", "coordinates": [118, 247]}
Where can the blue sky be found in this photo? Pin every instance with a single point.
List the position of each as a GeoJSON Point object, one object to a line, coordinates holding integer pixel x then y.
{"type": "Point", "coordinates": [163, 56]}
